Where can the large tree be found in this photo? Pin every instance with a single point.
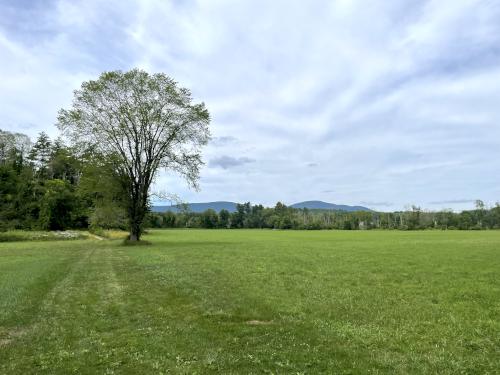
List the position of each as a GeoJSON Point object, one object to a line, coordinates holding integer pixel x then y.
{"type": "Point", "coordinates": [142, 123]}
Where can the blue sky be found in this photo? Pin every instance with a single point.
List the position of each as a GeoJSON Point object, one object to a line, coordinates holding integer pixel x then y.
{"type": "Point", "coordinates": [381, 103]}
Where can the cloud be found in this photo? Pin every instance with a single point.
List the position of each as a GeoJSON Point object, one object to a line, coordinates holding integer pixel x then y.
{"type": "Point", "coordinates": [381, 204]}
{"type": "Point", "coordinates": [226, 162]}
{"type": "Point", "coordinates": [454, 201]}
{"type": "Point", "coordinates": [383, 97]}
{"type": "Point", "coordinates": [223, 141]}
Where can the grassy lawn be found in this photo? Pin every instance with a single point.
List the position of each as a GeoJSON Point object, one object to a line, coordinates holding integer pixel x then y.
{"type": "Point", "coordinates": [282, 302]}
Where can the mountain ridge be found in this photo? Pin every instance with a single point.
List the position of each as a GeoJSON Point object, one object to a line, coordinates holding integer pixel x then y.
{"type": "Point", "coordinates": [231, 206]}
{"type": "Point", "coordinates": [320, 205]}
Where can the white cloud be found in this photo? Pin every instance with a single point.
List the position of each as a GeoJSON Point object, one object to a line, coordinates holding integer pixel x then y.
{"type": "Point", "coordinates": [393, 101]}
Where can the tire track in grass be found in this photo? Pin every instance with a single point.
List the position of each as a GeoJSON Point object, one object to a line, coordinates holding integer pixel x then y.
{"type": "Point", "coordinates": [77, 317]}
{"type": "Point", "coordinates": [94, 307]}
{"type": "Point", "coordinates": [48, 298]}
{"type": "Point", "coordinates": [33, 302]}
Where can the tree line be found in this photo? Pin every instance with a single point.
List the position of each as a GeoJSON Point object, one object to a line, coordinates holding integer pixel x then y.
{"type": "Point", "coordinates": [282, 217]}
{"type": "Point", "coordinates": [49, 185]}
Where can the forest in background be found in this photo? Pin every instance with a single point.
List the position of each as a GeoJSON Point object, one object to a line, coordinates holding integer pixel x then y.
{"type": "Point", "coordinates": [48, 185]}
{"type": "Point", "coordinates": [283, 217]}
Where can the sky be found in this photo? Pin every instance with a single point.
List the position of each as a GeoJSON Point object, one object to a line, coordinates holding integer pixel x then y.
{"type": "Point", "coordinates": [384, 103]}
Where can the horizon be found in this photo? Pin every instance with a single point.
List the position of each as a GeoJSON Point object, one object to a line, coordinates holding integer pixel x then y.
{"type": "Point", "coordinates": [383, 105]}
{"type": "Point", "coordinates": [288, 204]}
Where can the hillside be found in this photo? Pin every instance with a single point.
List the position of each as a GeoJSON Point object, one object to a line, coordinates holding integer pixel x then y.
{"type": "Point", "coordinates": [320, 205]}
{"type": "Point", "coordinates": [199, 207]}
{"type": "Point", "coordinates": [231, 206]}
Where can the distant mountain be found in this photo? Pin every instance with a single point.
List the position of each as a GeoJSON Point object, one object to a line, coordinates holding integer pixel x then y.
{"type": "Point", "coordinates": [231, 206]}
{"type": "Point", "coordinates": [319, 205]}
{"type": "Point", "coordinates": [198, 207]}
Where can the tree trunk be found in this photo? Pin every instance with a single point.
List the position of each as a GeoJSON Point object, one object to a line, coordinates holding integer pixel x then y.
{"type": "Point", "coordinates": [135, 227]}
{"type": "Point", "coordinates": [137, 209]}
{"type": "Point", "coordinates": [134, 236]}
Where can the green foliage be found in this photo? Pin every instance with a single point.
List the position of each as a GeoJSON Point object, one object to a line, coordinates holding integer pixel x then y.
{"type": "Point", "coordinates": [283, 217]}
{"type": "Point", "coordinates": [224, 219]}
{"type": "Point", "coordinates": [108, 216]}
{"type": "Point", "coordinates": [209, 219]}
{"type": "Point", "coordinates": [140, 122]}
{"type": "Point", "coordinates": [40, 156]}
{"type": "Point", "coordinates": [52, 187]}
{"type": "Point", "coordinates": [56, 205]}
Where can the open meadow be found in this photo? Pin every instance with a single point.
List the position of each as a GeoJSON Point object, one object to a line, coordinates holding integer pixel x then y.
{"type": "Point", "coordinates": [253, 301]}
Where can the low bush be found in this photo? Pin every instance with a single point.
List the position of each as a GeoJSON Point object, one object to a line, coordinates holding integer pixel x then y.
{"type": "Point", "coordinates": [21, 235]}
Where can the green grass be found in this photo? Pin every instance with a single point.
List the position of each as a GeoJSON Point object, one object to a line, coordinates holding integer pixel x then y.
{"type": "Point", "coordinates": [241, 302]}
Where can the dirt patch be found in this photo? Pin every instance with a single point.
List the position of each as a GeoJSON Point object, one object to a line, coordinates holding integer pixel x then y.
{"type": "Point", "coordinates": [259, 322]}
{"type": "Point", "coordinates": [12, 334]}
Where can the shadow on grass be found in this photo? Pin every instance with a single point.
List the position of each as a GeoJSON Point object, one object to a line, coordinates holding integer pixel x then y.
{"type": "Point", "coordinates": [127, 242]}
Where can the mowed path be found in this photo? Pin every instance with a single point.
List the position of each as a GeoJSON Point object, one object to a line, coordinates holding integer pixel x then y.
{"type": "Point", "coordinates": [69, 315]}
{"type": "Point", "coordinates": [253, 302]}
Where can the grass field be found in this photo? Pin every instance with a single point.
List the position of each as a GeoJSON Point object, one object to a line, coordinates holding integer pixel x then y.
{"type": "Point", "coordinates": [282, 302]}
